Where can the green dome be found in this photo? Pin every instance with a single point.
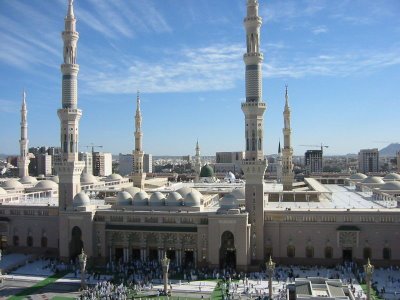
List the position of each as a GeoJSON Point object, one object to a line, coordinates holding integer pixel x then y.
{"type": "Point", "coordinates": [206, 171]}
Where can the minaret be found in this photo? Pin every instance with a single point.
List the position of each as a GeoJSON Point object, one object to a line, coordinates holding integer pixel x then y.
{"type": "Point", "coordinates": [23, 159]}
{"type": "Point", "coordinates": [138, 175]}
{"type": "Point", "coordinates": [279, 164]}
{"type": "Point", "coordinates": [254, 164]}
{"type": "Point", "coordinates": [197, 162]}
{"type": "Point", "coordinates": [287, 166]}
{"type": "Point", "coordinates": [69, 168]}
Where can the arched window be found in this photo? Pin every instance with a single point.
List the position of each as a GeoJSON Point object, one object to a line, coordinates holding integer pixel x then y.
{"type": "Point", "coordinates": [367, 253]}
{"type": "Point", "coordinates": [29, 241]}
{"type": "Point", "coordinates": [387, 253]}
{"type": "Point", "coordinates": [328, 252]}
{"type": "Point", "coordinates": [309, 251]}
{"type": "Point", "coordinates": [43, 242]}
{"type": "Point", "coordinates": [291, 251]}
{"type": "Point", "coordinates": [16, 240]}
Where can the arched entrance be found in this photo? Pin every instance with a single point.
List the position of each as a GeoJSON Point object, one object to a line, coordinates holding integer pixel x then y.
{"type": "Point", "coordinates": [76, 244]}
{"type": "Point", "coordinates": [227, 252]}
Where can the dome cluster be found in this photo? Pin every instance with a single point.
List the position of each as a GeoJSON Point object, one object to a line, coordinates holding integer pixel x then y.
{"type": "Point", "coordinates": [136, 197]}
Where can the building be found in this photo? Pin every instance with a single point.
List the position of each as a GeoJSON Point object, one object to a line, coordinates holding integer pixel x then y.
{"type": "Point", "coordinates": [102, 164]}
{"type": "Point", "coordinates": [23, 158]}
{"type": "Point", "coordinates": [138, 174]}
{"type": "Point", "coordinates": [278, 164]}
{"type": "Point", "coordinates": [319, 288]}
{"type": "Point", "coordinates": [313, 161]}
{"type": "Point", "coordinates": [125, 164]}
{"type": "Point", "coordinates": [87, 158]}
{"type": "Point", "coordinates": [368, 161]}
{"type": "Point", "coordinates": [148, 163]}
{"type": "Point", "coordinates": [228, 162]}
{"type": "Point", "coordinates": [398, 161]}
{"type": "Point", "coordinates": [44, 164]}
{"type": "Point", "coordinates": [287, 152]}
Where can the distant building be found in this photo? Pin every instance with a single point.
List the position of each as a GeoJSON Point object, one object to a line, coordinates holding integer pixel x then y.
{"type": "Point", "coordinates": [398, 161]}
{"type": "Point", "coordinates": [148, 163]}
{"type": "Point", "coordinates": [368, 160]}
{"type": "Point", "coordinates": [313, 161]}
{"type": "Point", "coordinates": [87, 157]}
{"type": "Point", "coordinates": [125, 164]}
{"type": "Point", "coordinates": [228, 161]}
{"type": "Point", "coordinates": [44, 164]}
{"type": "Point", "coordinates": [187, 158]}
{"type": "Point", "coordinates": [102, 164]}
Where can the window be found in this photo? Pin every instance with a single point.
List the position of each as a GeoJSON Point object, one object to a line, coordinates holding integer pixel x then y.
{"type": "Point", "coordinates": [16, 240]}
{"type": "Point", "coordinates": [29, 241]}
{"type": "Point", "coordinates": [367, 253]}
{"type": "Point", "coordinates": [291, 251]}
{"type": "Point", "coordinates": [309, 252]}
{"type": "Point", "coordinates": [328, 252]}
{"type": "Point", "coordinates": [43, 242]}
{"type": "Point", "coordinates": [387, 253]}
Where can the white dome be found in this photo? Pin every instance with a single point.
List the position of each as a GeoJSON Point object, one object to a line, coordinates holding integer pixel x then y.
{"type": "Point", "coordinates": [124, 198]}
{"type": "Point", "coordinates": [12, 184]}
{"type": "Point", "coordinates": [192, 199]}
{"type": "Point", "coordinates": [358, 176]}
{"type": "Point", "coordinates": [88, 178]}
{"type": "Point", "coordinates": [132, 190]}
{"type": "Point", "coordinates": [56, 179]}
{"type": "Point", "coordinates": [3, 192]}
{"type": "Point", "coordinates": [28, 180]}
{"type": "Point", "coordinates": [81, 199]}
{"type": "Point", "coordinates": [173, 199]}
{"type": "Point", "coordinates": [373, 179]}
{"type": "Point", "coordinates": [391, 176]}
{"type": "Point", "coordinates": [140, 199]}
{"type": "Point", "coordinates": [46, 185]}
{"type": "Point", "coordinates": [156, 199]}
{"type": "Point", "coordinates": [113, 177]}
{"type": "Point", "coordinates": [184, 191]}
{"type": "Point", "coordinates": [391, 186]}
{"type": "Point", "coordinates": [230, 177]}
{"type": "Point", "coordinates": [239, 193]}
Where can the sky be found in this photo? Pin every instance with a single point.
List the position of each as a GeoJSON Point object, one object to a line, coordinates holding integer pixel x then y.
{"type": "Point", "coordinates": [340, 59]}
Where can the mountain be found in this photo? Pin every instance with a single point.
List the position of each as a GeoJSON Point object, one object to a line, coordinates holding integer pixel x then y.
{"type": "Point", "coordinates": [390, 150]}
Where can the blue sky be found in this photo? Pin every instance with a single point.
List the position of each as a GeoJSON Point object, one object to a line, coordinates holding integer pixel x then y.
{"type": "Point", "coordinates": [341, 60]}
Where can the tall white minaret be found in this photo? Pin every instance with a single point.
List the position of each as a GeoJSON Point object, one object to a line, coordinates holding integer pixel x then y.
{"type": "Point", "coordinates": [197, 162]}
{"type": "Point", "coordinates": [69, 168]}
{"type": "Point", "coordinates": [254, 164]}
{"type": "Point", "coordinates": [23, 159]}
{"type": "Point", "coordinates": [138, 175]}
{"type": "Point", "coordinates": [287, 166]}
{"type": "Point", "coordinates": [279, 164]}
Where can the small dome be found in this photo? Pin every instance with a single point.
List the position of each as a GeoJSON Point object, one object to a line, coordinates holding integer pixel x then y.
{"type": "Point", "coordinates": [156, 199]}
{"type": "Point", "coordinates": [140, 199]}
{"type": "Point", "coordinates": [113, 177]}
{"type": "Point", "coordinates": [373, 180]}
{"type": "Point", "coordinates": [391, 177]}
{"type": "Point", "coordinates": [28, 180]}
{"type": "Point", "coordinates": [184, 191]}
{"type": "Point", "coordinates": [228, 202]}
{"type": "Point", "coordinates": [358, 176]}
{"type": "Point", "coordinates": [3, 192]}
{"type": "Point", "coordinates": [391, 186]}
{"type": "Point", "coordinates": [12, 184]}
{"type": "Point", "coordinates": [230, 177]}
{"type": "Point", "coordinates": [207, 171]}
{"type": "Point", "coordinates": [132, 190]}
{"type": "Point", "coordinates": [239, 193]}
{"type": "Point", "coordinates": [81, 199]}
{"type": "Point", "coordinates": [173, 199]}
{"type": "Point", "coordinates": [46, 185]}
{"type": "Point", "coordinates": [192, 199]}
{"type": "Point", "coordinates": [88, 178]}
{"type": "Point", "coordinates": [56, 179]}
{"type": "Point", "coordinates": [124, 199]}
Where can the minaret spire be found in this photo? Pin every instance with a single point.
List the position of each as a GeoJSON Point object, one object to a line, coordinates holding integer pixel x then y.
{"type": "Point", "coordinates": [253, 108]}
{"type": "Point", "coordinates": [287, 167]}
{"type": "Point", "coordinates": [197, 162]}
{"type": "Point", "coordinates": [138, 175]}
{"type": "Point", "coordinates": [279, 164]}
{"type": "Point", "coordinates": [23, 159]}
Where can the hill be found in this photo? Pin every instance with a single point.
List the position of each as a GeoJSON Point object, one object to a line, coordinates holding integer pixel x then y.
{"type": "Point", "coordinates": [390, 150]}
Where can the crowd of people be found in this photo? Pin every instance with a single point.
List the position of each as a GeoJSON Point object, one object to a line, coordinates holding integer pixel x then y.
{"type": "Point", "coordinates": [105, 290]}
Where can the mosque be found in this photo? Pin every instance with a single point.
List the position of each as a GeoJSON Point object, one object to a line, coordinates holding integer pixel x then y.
{"type": "Point", "coordinates": [205, 223]}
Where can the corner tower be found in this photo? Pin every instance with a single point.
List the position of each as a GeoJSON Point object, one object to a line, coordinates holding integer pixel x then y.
{"type": "Point", "coordinates": [254, 164]}
{"type": "Point", "coordinates": [23, 159]}
{"type": "Point", "coordinates": [287, 165]}
{"type": "Point", "coordinates": [69, 168]}
{"type": "Point", "coordinates": [138, 175]}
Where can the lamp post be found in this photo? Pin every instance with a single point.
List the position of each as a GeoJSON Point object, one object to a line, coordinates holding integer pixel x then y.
{"type": "Point", "coordinates": [82, 262]}
{"type": "Point", "coordinates": [165, 266]}
{"type": "Point", "coordinates": [270, 268]}
{"type": "Point", "coordinates": [369, 270]}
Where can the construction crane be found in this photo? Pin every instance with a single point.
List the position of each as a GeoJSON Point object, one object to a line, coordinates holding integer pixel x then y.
{"type": "Point", "coordinates": [316, 146]}
{"type": "Point", "coordinates": [93, 146]}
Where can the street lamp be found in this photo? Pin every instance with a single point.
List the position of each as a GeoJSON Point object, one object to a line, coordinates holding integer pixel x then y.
{"type": "Point", "coordinates": [368, 269]}
{"type": "Point", "coordinates": [270, 268]}
{"type": "Point", "coordinates": [82, 262]}
{"type": "Point", "coordinates": [165, 266]}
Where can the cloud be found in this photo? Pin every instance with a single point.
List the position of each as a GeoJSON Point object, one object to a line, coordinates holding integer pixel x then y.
{"type": "Point", "coordinates": [8, 106]}
{"type": "Point", "coordinates": [319, 29]}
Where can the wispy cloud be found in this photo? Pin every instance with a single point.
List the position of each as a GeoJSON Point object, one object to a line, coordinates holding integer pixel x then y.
{"type": "Point", "coordinates": [7, 106]}
{"type": "Point", "coordinates": [319, 29]}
